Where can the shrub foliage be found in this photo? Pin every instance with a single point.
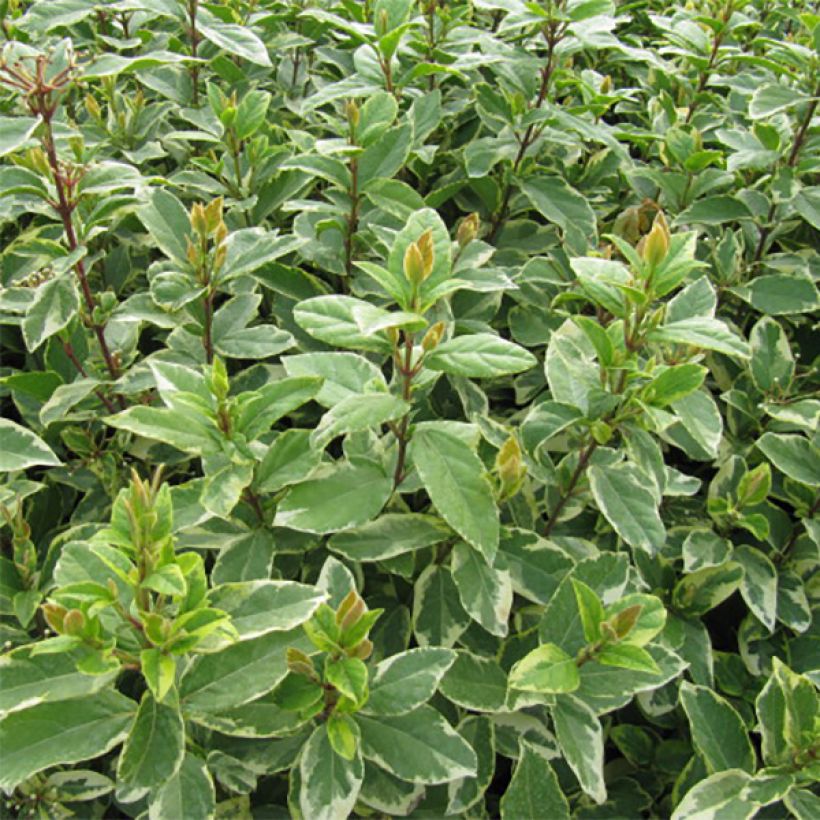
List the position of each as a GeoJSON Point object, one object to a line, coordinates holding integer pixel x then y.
{"type": "Point", "coordinates": [409, 408]}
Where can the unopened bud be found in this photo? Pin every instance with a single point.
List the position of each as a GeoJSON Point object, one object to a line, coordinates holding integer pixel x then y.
{"type": "Point", "coordinates": [54, 615]}
{"type": "Point", "coordinates": [414, 264]}
{"type": "Point", "coordinates": [425, 244]}
{"type": "Point", "coordinates": [433, 337]}
{"type": "Point", "coordinates": [228, 116]}
{"type": "Point", "coordinates": [299, 663]}
{"type": "Point", "coordinates": [73, 622]}
{"type": "Point", "coordinates": [350, 610]}
{"type": "Point", "coordinates": [656, 245]}
{"type": "Point", "coordinates": [213, 214]}
{"type": "Point", "coordinates": [601, 432]}
{"type": "Point", "coordinates": [623, 622]}
{"type": "Point", "coordinates": [92, 106]}
{"type": "Point", "coordinates": [191, 252]}
{"type": "Point", "coordinates": [382, 21]}
{"type": "Point", "coordinates": [220, 385]}
{"type": "Point", "coordinates": [198, 221]}
{"type": "Point", "coordinates": [606, 85]}
{"type": "Point", "coordinates": [362, 650]}
{"type": "Point", "coordinates": [467, 230]}
{"type": "Point", "coordinates": [352, 113]}
{"type": "Point", "coordinates": [510, 467]}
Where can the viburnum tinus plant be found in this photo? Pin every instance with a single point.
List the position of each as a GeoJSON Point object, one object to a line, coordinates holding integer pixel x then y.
{"type": "Point", "coordinates": [409, 409]}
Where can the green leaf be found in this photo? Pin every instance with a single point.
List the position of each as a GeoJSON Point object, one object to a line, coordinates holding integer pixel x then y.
{"type": "Point", "coordinates": [288, 460]}
{"type": "Point", "coordinates": [534, 790]}
{"type": "Point", "coordinates": [26, 680]}
{"type": "Point", "coordinates": [718, 732]}
{"type": "Point", "coordinates": [547, 669]}
{"type": "Point", "coordinates": [15, 132]}
{"type": "Point", "coordinates": [759, 584]}
{"type": "Point", "coordinates": [628, 656]}
{"type": "Point", "coordinates": [155, 746]}
{"type": "Point", "coordinates": [189, 793]}
{"type": "Point", "coordinates": [385, 157]}
{"type": "Point", "coordinates": [628, 505]}
{"type": "Point", "coordinates": [465, 792]}
{"type": "Point", "coordinates": [771, 98]}
{"type": "Point", "coordinates": [720, 795]}
{"type": "Point", "coordinates": [673, 384]}
{"type": "Point", "coordinates": [251, 112]}
{"type": "Point", "coordinates": [581, 740]}
{"type": "Point", "coordinates": [167, 221]}
{"type": "Point", "coordinates": [536, 566]}
{"type": "Point", "coordinates": [802, 803]}
{"type": "Point", "coordinates": [602, 281]}
{"type": "Point", "coordinates": [590, 609]}
{"type": "Point", "coordinates": [259, 607]}
{"type": "Point", "coordinates": [480, 355]}
{"type": "Point", "coordinates": [21, 449]}
{"type": "Point", "coordinates": [234, 39]}
{"type": "Point", "coordinates": [336, 320]}
{"type": "Point", "coordinates": [55, 304]}
{"type": "Point", "coordinates": [702, 332]}
{"type": "Point", "coordinates": [703, 589]}
{"type": "Point", "coordinates": [67, 732]}
{"type": "Point", "coordinates": [64, 398]}
{"type": "Point", "coordinates": [344, 374]}
{"type": "Point", "coordinates": [714, 210]}
{"type": "Point", "coordinates": [560, 203]}
{"type": "Point", "coordinates": [420, 746]}
{"type": "Point", "coordinates": [159, 671]}
{"type": "Point", "coordinates": [330, 784]}
{"type": "Point", "coordinates": [340, 496]}
{"type": "Point", "coordinates": [357, 413]}
{"type": "Point", "coordinates": [475, 683]}
{"type": "Point", "coordinates": [237, 674]}
{"type": "Point", "coordinates": [772, 364]}
{"type": "Point", "coordinates": [259, 409]}
{"type": "Point", "coordinates": [700, 430]}
{"type": "Point", "coordinates": [439, 618]}
{"type": "Point", "coordinates": [453, 475]}
{"type": "Point", "coordinates": [186, 433]}
{"type": "Point", "coordinates": [407, 680]}
{"type": "Point", "coordinates": [389, 535]}
{"type": "Point", "coordinates": [485, 592]}
{"type": "Point", "coordinates": [349, 676]}
{"type": "Point", "coordinates": [781, 294]}
{"type": "Point", "coordinates": [793, 455]}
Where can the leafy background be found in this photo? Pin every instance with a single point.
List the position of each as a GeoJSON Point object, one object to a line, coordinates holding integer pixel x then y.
{"type": "Point", "coordinates": [476, 342]}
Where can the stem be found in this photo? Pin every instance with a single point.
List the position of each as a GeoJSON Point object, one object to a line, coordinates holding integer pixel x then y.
{"type": "Point", "coordinates": [193, 7]}
{"type": "Point", "coordinates": [706, 73]}
{"type": "Point", "coordinates": [803, 130]}
{"type": "Point", "coordinates": [406, 392]}
{"type": "Point", "coordinates": [353, 216]}
{"type": "Point", "coordinates": [791, 162]}
{"type": "Point", "coordinates": [431, 39]}
{"type": "Point", "coordinates": [530, 134]}
{"type": "Point", "coordinates": [207, 340]}
{"type": "Point", "coordinates": [254, 502]}
{"type": "Point", "coordinates": [64, 209]}
{"type": "Point", "coordinates": [72, 357]}
{"type": "Point", "coordinates": [574, 479]}
{"type": "Point", "coordinates": [781, 556]}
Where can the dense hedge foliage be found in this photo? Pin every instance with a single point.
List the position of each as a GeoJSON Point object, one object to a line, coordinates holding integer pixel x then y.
{"type": "Point", "coordinates": [409, 408]}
